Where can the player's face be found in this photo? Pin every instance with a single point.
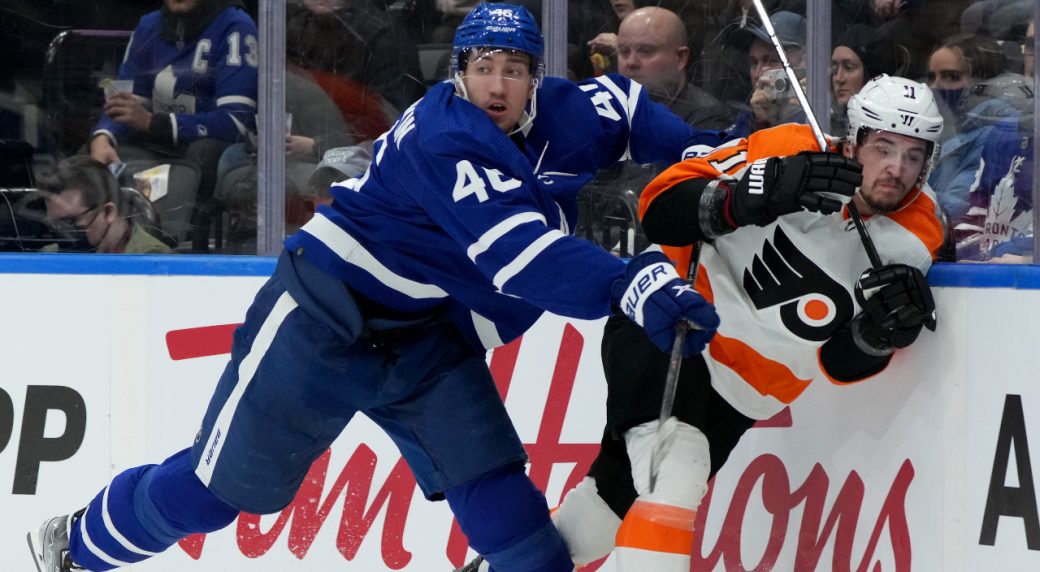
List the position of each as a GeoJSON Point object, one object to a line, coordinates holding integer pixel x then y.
{"type": "Point", "coordinates": [891, 165]}
{"type": "Point", "coordinates": [846, 74]}
{"type": "Point", "coordinates": [499, 82]}
{"type": "Point", "coordinates": [182, 6]}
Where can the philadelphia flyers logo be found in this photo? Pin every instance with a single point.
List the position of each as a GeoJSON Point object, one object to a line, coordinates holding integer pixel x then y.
{"type": "Point", "coordinates": [812, 304]}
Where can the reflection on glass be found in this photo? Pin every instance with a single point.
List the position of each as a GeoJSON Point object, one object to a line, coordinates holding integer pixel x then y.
{"type": "Point", "coordinates": [353, 67]}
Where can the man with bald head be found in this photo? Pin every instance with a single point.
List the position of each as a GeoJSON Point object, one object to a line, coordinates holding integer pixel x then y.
{"type": "Point", "coordinates": [652, 49]}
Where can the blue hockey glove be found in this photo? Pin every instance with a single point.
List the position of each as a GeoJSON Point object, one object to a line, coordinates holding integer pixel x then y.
{"type": "Point", "coordinates": [652, 295]}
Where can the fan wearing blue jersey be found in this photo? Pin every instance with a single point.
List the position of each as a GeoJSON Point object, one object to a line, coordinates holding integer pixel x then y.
{"type": "Point", "coordinates": [454, 240]}
{"type": "Point", "coordinates": [193, 65]}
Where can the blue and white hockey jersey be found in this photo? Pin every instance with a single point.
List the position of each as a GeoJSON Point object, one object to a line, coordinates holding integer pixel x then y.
{"type": "Point", "coordinates": [208, 84]}
{"type": "Point", "coordinates": [452, 214]}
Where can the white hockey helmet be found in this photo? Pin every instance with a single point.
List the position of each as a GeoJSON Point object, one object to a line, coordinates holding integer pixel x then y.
{"type": "Point", "coordinates": [897, 105]}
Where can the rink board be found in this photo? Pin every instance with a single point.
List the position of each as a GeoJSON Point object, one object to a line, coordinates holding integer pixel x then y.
{"type": "Point", "coordinates": [108, 363]}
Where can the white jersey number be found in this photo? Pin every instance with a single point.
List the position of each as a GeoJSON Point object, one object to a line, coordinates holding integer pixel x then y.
{"type": "Point", "coordinates": [468, 181]}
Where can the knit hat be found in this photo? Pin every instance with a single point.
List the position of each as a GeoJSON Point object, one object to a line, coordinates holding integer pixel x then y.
{"type": "Point", "coordinates": [878, 53]}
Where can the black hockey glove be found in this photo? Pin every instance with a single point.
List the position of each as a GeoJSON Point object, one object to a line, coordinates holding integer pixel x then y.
{"type": "Point", "coordinates": [780, 185]}
{"type": "Point", "coordinates": [896, 302]}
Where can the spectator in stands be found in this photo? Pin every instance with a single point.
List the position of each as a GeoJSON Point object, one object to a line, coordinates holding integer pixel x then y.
{"type": "Point", "coordinates": [998, 224]}
{"type": "Point", "coordinates": [859, 55]}
{"type": "Point", "coordinates": [83, 200]}
{"type": "Point", "coordinates": [194, 70]}
{"type": "Point", "coordinates": [652, 50]}
{"type": "Point", "coordinates": [721, 68]}
{"type": "Point", "coordinates": [957, 63]}
{"type": "Point", "coordinates": [327, 109]}
{"type": "Point", "coordinates": [916, 24]}
{"type": "Point", "coordinates": [992, 218]}
{"type": "Point", "coordinates": [957, 72]}
{"type": "Point", "coordinates": [603, 48]}
{"type": "Point", "coordinates": [768, 105]}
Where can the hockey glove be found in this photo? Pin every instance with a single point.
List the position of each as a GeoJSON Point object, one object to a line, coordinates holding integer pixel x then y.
{"type": "Point", "coordinates": [652, 295]}
{"type": "Point", "coordinates": [818, 182]}
{"type": "Point", "coordinates": [896, 302]}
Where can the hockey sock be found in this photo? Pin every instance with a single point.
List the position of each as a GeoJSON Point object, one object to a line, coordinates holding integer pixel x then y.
{"type": "Point", "coordinates": [657, 532]}
{"type": "Point", "coordinates": [587, 524]}
{"type": "Point", "coordinates": [144, 511]}
{"type": "Point", "coordinates": [506, 520]}
{"type": "Point", "coordinates": [655, 537]}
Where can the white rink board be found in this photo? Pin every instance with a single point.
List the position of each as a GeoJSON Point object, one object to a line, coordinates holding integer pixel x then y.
{"type": "Point", "coordinates": [915, 444]}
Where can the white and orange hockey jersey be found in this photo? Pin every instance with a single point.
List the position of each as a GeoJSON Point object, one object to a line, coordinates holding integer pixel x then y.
{"type": "Point", "coordinates": [784, 289]}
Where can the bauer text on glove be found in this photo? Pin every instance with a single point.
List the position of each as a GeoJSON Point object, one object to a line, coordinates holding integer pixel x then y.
{"type": "Point", "coordinates": [652, 295]}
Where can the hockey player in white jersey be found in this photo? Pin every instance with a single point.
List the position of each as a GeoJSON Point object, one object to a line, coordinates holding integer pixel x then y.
{"type": "Point", "coordinates": [455, 240]}
{"type": "Point", "coordinates": [798, 298]}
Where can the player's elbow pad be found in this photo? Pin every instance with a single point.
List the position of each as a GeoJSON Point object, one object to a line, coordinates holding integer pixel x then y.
{"type": "Point", "coordinates": [844, 359]}
{"type": "Point", "coordinates": [690, 211]}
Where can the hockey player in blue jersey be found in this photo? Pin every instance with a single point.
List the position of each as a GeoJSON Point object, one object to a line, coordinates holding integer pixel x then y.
{"type": "Point", "coordinates": [453, 241]}
{"type": "Point", "coordinates": [193, 65]}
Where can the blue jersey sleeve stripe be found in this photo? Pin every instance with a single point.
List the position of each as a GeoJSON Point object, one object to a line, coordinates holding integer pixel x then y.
{"type": "Point", "coordinates": [520, 262]}
{"type": "Point", "coordinates": [351, 251]}
{"type": "Point", "coordinates": [486, 331]}
{"type": "Point", "coordinates": [499, 230]}
{"type": "Point", "coordinates": [236, 99]}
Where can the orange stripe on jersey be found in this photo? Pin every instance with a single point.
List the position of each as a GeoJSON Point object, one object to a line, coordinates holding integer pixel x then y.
{"type": "Point", "coordinates": [919, 218]}
{"type": "Point", "coordinates": [657, 528]}
{"type": "Point", "coordinates": [768, 377]}
{"type": "Point", "coordinates": [781, 141]}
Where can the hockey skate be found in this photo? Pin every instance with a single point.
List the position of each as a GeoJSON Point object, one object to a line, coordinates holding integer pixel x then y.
{"type": "Point", "coordinates": [50, 544]}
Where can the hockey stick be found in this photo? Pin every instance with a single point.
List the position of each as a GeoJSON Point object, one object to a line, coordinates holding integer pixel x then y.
{"type": "Point", "coordinates": [671, 378]}
{"type": "Point", "coordinates": [821, 139]}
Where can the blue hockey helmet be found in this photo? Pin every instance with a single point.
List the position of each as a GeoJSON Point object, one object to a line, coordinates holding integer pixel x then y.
{"type": "Point", "coordinates": [503, 26]}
